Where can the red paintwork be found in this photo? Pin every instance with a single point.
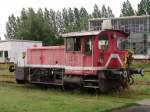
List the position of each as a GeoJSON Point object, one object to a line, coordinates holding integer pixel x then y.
{"type": "Point", "coordinates": [46, 55]}
{"type": "Point", "coordinates": [56, 55]}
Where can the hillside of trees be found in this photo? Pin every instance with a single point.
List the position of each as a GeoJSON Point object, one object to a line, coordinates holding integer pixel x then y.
{"type": "Point", "coordinates": [47, 25]}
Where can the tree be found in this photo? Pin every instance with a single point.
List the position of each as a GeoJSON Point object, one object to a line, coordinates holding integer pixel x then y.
{"type": "Point", "coordinates": [47, 16]}
{"type": "Point", "coordinates": [11, 27]}
{"type": "Point", "coordinates": [127, 9]}
{"type": "Point", "coordinates": [25, 25]}
{"type": "Point", "coordinates": [144, 7]}
{"type": "Point", "coordinates": [104, 12]}
{"type": "Point", "coordinates": [110, 13]}
{"type": "Point", "coordinates": [33, 25]}
{"type": "Point", "coordinates": [71, 18]}
{"type": "Point", "coordinates": [65, 19]}
{"type": "Point", "coordinates": [96, 13]}
{"type": "Point", "coordinates": [59, 23]}
{"type": "Point", "coordinates": [83, 19]}
{"type": "Point", "coordinates": [77, 20]}
{"type": "Point", "coordinates": [53, 21]}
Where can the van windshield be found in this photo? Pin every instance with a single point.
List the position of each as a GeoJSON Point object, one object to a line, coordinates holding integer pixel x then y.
{"type": "Point", "coordinates": [1, 54]}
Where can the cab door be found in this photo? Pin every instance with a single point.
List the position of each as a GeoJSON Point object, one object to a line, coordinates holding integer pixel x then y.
{"type": "Point", "coordinates": [73, 55]}
{"type": "Point", "coordinates": [103, 46]}
{"type": "Point", "coordinates": [88, 52]}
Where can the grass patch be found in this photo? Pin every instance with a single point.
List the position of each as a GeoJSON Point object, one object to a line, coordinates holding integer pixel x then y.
{"type": "Point", "coordinates": [29, 98]}
{"type": "Point", "coordinates": [142, 64]}
{"type": "Point", "coordinates": [16, 98]}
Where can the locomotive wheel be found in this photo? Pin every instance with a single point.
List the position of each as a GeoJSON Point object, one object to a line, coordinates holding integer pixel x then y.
{"type": "Point", "coordinates": [109, 84]}
{"type": "Point", "coordinates": [125, 83]}
{"type": "Point", "coordinates": [72, 83]}
{"type": "Point", "coordinates": [103, 86]}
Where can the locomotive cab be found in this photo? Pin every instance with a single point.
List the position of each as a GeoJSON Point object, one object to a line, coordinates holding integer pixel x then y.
{"type": "Point", "coordinates": [88, 52]}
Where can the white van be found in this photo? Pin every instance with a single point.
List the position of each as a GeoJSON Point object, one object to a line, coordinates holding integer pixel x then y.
{"type": "Point", "coordinates": [11, 51]}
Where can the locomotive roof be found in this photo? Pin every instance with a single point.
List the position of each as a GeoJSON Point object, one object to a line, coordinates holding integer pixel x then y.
{"type": "Point", "coordinates": [48, 47]}
{"type": "Point", "coordinates": [75, 34]}
{"type": "Point", "coordinates": [89, 33]}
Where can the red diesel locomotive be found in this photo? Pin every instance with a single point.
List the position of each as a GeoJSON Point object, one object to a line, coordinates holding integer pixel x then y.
{"type": "Point", "coordinates": [95, 59]}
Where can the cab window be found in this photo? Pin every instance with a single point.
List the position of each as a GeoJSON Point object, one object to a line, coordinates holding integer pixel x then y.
{"type": "Point", "coordinates": [88, 47]}
{"type": "Point", "coordinates": [103, 41]}
{"type": "Point", "coordinates": [73, 44]}
{"type": "Point", "coordinates": [121, 43]}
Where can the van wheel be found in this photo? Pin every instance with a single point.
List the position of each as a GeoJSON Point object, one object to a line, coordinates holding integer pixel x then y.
{"type": "Point", "coordinates": [12, 68]}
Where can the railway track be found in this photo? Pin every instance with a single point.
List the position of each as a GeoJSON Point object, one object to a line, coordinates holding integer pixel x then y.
{"type": "Point", "coordinates": [11, 79]}
{"type": "Point", "coordinates": [7, 78]}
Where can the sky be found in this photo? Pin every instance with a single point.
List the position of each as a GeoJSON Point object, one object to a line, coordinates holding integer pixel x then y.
{"type": "Point", "coordinates": [8, 7]}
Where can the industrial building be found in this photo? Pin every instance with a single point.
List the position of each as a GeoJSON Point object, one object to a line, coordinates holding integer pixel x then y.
{"type": "Point", "coordinates": [137, 26]}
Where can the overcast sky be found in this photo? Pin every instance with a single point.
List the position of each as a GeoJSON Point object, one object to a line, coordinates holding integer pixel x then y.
{"type": "Point", "coordinates": [7, 7]}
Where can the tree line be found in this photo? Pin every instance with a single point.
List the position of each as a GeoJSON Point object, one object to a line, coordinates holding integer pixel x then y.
{"type": "Point", "coordinates": [48, 25]}
{"type": "Point", "coordinates": [143, 8]}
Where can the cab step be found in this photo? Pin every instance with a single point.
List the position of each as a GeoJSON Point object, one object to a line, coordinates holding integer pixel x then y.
{"type": "Point", "coordinates": [47, 83]}
{"type": "Point", "coordinates": [94, 87]}
{"type": "Point", "coordinates": [91, 80]}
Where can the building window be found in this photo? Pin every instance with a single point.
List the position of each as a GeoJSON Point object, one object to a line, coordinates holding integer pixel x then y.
{"type": "Point", "coordinates": [141, 28]}
{"type": "Point", "coordinates": [122, 28]}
